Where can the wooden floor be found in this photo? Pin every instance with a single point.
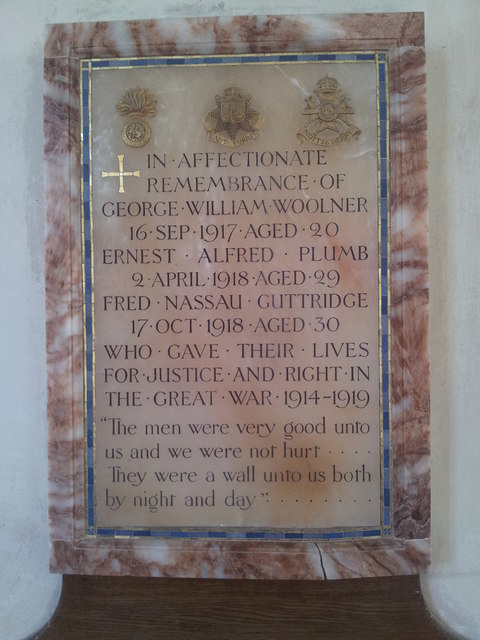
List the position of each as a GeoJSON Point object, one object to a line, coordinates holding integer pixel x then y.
{"type": "Point", "coordinates": [147, 608]}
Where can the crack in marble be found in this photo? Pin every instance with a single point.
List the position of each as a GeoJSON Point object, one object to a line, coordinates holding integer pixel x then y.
{"type": "Point", "coordinates": [321, 561]}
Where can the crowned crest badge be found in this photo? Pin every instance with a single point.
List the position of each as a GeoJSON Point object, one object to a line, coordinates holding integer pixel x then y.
{"type": "Point", "coordinates": [233, 121]}
{"type": "Point", "coordinates": [137, 104]}
{"type": "Point", "coordinates": [328, 115]}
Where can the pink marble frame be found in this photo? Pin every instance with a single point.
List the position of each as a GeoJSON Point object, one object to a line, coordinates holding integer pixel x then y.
{"type": "Point", "coordinates": [402, 34]}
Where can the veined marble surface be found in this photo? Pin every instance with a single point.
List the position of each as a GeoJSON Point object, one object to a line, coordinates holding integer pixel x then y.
{"type": "Point", "coordinates": [402, 36]}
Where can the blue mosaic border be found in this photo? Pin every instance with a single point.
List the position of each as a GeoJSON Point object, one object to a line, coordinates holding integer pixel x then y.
{"type": "Point", "coordinates": [87, 66]}
{"type": "Point", "coordinates": [266, 58]}
{"type": "Point", "coordinates": [384, 252]}
{"type": "Point", "coordinates": [88, 334]}
{"type": "Point", "coordinates": [236, 534]}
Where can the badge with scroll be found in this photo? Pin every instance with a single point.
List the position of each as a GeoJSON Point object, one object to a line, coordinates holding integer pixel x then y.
{"type": "Point", "coordinates": [328, 114]}
{"type": "Point", "coordinates": [233, 122]}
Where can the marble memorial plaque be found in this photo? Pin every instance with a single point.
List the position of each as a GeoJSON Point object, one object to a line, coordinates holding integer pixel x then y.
{"type": "Point", "coordinates": [237, 297]}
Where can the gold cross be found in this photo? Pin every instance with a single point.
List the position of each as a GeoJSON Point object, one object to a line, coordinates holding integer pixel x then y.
{"type": "Point", "coordinates": [120, 174]}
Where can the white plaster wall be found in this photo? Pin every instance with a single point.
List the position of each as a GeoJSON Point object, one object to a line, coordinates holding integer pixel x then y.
{"type": "Point", "coordinates": [28, 594]}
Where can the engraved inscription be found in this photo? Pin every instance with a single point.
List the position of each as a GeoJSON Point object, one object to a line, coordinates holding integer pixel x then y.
{"type": "Point", "coordinates": [236, 303]}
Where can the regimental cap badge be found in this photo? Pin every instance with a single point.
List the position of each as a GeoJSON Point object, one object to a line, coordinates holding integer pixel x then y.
{"type": "Point", "coordinates": [137, 104]}
{"type": "Point", "coordinates": [328, 115]}
{"type": "Point", "coordinates": [233, 121]}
